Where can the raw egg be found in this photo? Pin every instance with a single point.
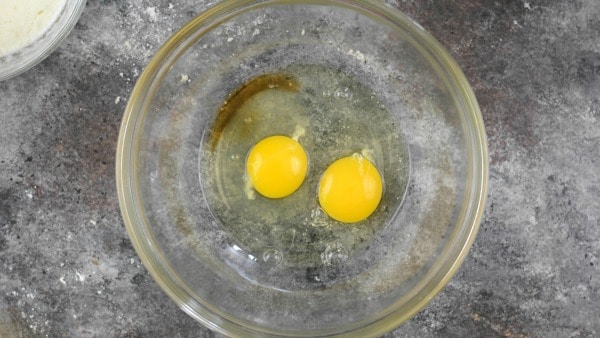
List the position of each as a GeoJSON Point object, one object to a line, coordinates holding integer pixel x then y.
{"type": "Point", "coordinates": [276, 166]}
{"type": "Point", "coordinates": [350, 189]}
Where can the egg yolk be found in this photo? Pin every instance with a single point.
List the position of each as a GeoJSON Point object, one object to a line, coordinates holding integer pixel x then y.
{"type": "Point", "coordinates": [350, 189]}
{"type": "Point", "coordinates": [276, 166]}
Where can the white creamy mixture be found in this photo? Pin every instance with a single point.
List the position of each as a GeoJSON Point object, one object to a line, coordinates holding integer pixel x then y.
{"type": "Point", "coordinates": [23, 21]}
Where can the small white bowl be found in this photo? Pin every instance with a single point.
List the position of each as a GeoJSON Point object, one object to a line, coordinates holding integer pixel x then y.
{"type": "Point", "coordinates": [17, 61]}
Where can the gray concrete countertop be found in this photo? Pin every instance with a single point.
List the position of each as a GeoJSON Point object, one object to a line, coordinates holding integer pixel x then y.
{"type": "Point", "coordinates": [68, 269]}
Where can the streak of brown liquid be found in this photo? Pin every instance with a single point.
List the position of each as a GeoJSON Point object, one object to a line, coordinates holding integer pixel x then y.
{"type": "Point", "coordinates": [243, 94]}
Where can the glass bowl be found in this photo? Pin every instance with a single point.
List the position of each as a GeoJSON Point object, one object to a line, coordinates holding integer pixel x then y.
{"type": "Point", "coordinates": [344, 78]}
{"type": "Point", "coordinates": [41, 41]}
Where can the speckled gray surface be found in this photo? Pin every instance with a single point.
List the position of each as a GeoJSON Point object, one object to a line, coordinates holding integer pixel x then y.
{"type": "Point", "coordinates": [67, 267]}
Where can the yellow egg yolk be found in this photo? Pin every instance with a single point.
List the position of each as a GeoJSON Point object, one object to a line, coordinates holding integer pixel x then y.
{"type": "Point", "coordinates": [350, 189]}
{"type": "Point", "coordinates": [276, 166]}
